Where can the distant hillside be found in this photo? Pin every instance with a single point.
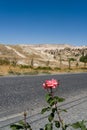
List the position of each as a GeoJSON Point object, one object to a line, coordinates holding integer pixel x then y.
{"type": "Point", "coordinates": [42, 53]}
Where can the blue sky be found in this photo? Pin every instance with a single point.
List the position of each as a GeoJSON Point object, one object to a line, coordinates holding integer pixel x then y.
{"type": "Point", "coordinates": [43, 21]}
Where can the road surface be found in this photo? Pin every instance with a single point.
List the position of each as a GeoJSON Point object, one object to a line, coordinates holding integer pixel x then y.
{"type": "Point", "coordinates": [20, 93]}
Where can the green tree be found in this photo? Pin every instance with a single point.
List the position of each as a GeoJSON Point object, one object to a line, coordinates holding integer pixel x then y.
{"type": "Point", "coordinates": [77, 64]}
{"type": "Point", "coordinates": [60, 60]}
{"type": "Point", "coordinates": [83, 59]}
{"type": "Point", "coordinates": [69, 61]}
{"type": "Point", "coordinates": [14, 62]}
{"type": "Point", "coordinates": [32, 62]}
{"type": "Point", "coordinates": [4, 61]}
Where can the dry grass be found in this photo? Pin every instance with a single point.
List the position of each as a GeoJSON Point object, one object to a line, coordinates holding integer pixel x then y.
{"type": "Point", "coordinates": [17, 70]}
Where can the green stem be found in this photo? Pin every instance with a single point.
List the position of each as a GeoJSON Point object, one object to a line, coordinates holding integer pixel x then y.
{"type": "Point", "coordinates": [58, 114]}
{"type": "Point", "coordinates": [60, 120]}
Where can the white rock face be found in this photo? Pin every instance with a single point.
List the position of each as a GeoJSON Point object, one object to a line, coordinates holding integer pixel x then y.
{"type": "Point", "coordinates": [19, 54]}
{"type": "Point", "coordinates": [41, 53]}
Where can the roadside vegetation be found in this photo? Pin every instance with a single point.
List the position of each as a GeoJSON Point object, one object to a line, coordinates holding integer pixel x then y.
{"type": "Point", "coordinates": [10, 67]}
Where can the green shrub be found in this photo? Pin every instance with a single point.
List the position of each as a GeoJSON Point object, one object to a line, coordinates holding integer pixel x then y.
{"type": "Point", "coordinates": [11, 72]}
{"type": "Point", "coordinates": [24, 66]}
{"type": "Point", "coordinates": [56, 68]}
{"type": "Point", "coordinates": [4, 61]}
{"type": "Point", "coordinates": [43, 68]}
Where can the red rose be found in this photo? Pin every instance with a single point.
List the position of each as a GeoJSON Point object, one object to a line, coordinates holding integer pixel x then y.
{"type": "Point", "coordinates": [50, 84]}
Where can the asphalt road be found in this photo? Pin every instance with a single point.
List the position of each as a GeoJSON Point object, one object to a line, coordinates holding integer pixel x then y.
{"type": "Point", "coordinates": [19, 93]}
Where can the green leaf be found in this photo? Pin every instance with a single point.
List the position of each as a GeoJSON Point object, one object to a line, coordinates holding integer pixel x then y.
{"type": "Point", "coordinates": [49, 126]}
{"type": "Point", "coordinates": [52, 102]}
{"type": "Point", "coordinates": [83, 127]}
{"type": "Point", "coordinates": [13, 128]}
{"type": "Point", "coordinates": [16, 126]}
{"type": "Point", "coordinates": [48, 96]}
{"type": "Point", "coordinates": [66, 125]}
{"type": "Point", "coordinates": [20, 125]}
{"type": "Point", "coordinates": [76, 125]}
{"type": "Point", "coordinates": [58, 99]}
{"type": "Point", "coordinates": [45, 109]}
{"type": "Point", "coordinates": [64, 110]}
{"type": "Point", "coordinates": [28, 125]}
{"type": "Point", "coordinates": [54, 109]}
{"type": "Point", "coordinates": [51, 117]}
{"type": "Point", "coordinates": [80, 124]}
{"type": "Point", "coordinates": [57, 124]}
